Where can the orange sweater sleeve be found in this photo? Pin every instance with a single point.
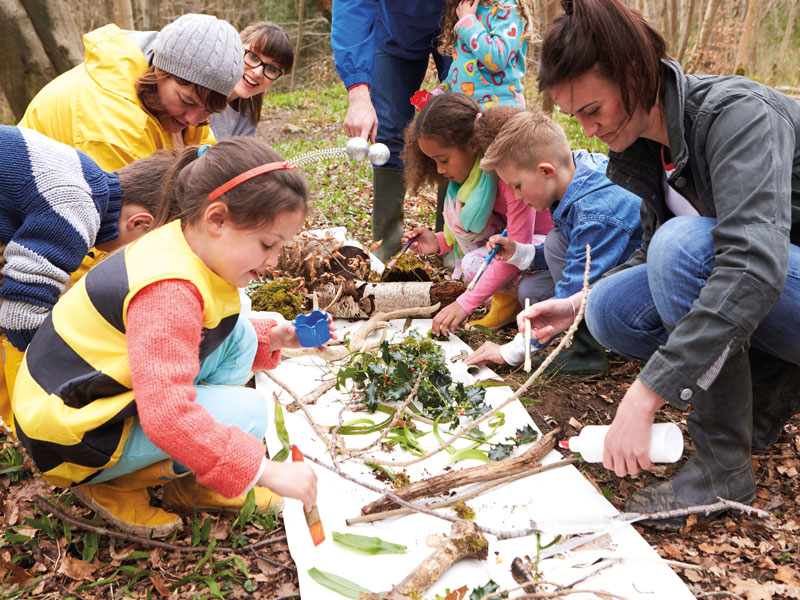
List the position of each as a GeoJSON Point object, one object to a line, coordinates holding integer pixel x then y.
{"type": "Point", "coordinates": [163, 350]}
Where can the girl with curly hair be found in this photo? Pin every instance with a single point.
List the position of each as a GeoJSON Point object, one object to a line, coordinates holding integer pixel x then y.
{"type": "Point", "coordinates": [445, 143]}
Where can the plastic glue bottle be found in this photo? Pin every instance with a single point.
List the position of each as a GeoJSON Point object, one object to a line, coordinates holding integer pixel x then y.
{"type": "Point", "coordinates": [666, 443]}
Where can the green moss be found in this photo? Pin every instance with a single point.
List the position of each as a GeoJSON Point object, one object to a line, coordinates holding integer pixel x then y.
{"type": "Point", "coordinates": [463, 511]}
{"type": "Point", "coordinates": [409, 267]}
{"type": "Point", "coordinates": [276, 296]}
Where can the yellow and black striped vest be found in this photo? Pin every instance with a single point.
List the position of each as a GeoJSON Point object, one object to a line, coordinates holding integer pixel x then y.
{"type": "Point", "coordinates": [73, 402]}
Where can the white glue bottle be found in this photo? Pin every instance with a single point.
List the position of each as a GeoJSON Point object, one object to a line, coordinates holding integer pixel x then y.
{"type": "Point", "coordinates": [666, 443]}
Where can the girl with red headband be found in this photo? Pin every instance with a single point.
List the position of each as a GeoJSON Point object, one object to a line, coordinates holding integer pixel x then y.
{"type": "Point", "coordinates": [136, 378]}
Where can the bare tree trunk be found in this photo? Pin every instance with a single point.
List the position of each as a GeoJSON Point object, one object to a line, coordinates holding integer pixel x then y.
{"type": "Point", "coordinates": [689, 15]}
{"type": "Point", "coordinates": [549, 13]}
{"type": "Point", "coordinates": [674, 27]}
{"type": "Point", "coordinates": [705, 30]}
{"type": "Point", "coordinates": [26, 66]}
{"type": "Point", "coordinates": [151, 15]}
{"type": "Point", "coordinates": [123, 13]}
{"type": "Point", "coordinates": [742, 63]}
{"type": "Point", "coordinates": [57, 31]}
{"type": "Point", "coordinates": [298, 44]}
{"type": "Point", "coordinates": [787, 35]}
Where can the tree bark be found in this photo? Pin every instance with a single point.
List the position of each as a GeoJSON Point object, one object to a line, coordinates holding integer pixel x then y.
{"type": "Point", "coordinates": [705, 30]}
{"type": "Point", "coordinates": [742, 62]}
{"type": "Point", "coordinates": [26, 66]}
{"type": "Point", "coordinates": [298, 44]}
{"type": "Point", "coordinates": [787, 35]}
{"type": "Point", "coordinates": [57, 31]}
{"type": "Point", "coordinates": [687, 29]}
{"type": "Point", "coordinates": [122, 13]}
{"type": "Point", "coordinates": [439, 484]}
{"type": "Point", "coordinates": [360, 300]}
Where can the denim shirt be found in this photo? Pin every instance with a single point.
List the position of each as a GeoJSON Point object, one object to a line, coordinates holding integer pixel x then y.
{"type": "Point", "coordinates": [597, 212]}
{"type": "Point", "coordinates": [735, 145]}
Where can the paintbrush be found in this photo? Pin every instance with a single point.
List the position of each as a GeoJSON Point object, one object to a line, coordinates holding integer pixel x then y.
{"type": "Point", "coordinates": [527, 338]}
{"type": "Point", "coordinates": [485, 264]}
{"type": "Point", "coordinates": [312, 517]}
{"type": "Point", "coordinates": [406, 246]}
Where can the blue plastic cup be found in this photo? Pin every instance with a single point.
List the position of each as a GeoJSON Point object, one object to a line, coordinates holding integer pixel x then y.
{"type": "Point", "coordinates": [312, 329]}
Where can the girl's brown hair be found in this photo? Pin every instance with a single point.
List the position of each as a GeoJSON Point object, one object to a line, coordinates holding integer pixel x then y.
{"type": "Point", "coordinates": [612, 39]}
{"type": "Point", "coordinates": [252, 204]}
{"type": "Point", "coordinates": [452, 120]}
{"type": "Point", "coordinates": [267, 39]}
{"type": "Point", "coordinates": [147, 92]}
{"type": "Point", "coordinates": [448, 38]}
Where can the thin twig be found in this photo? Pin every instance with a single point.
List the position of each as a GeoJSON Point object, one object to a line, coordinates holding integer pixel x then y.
{"type": "Point", "coordinates": [694, 510]}
{"type": "Point", "coordinates": [274, 563]}
{"type": "Point", "coordinates": [51, 506]}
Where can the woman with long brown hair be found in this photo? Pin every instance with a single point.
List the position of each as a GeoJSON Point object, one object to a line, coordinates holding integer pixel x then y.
{"type": "Point", "coordinates": [709, 298]}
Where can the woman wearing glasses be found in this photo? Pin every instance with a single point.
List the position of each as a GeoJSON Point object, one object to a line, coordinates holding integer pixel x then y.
{"type": "Point", "coordinates": [141, 91]}
{"type": "Point", "coordinates": [267, 55]}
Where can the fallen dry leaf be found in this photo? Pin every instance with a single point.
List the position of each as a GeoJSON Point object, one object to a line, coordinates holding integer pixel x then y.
{"type": "Point", "coordinates": [75, 568]}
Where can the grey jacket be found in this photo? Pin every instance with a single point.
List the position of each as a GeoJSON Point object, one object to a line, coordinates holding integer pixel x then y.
{"type": "Point", "coordinates": [735, 145]}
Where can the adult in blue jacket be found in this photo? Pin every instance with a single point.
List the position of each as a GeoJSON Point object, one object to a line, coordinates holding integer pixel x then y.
{"type": "Point", "coordinates": [382, 49]}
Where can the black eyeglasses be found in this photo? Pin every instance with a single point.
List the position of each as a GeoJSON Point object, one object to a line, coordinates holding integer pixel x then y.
{"type": "Point", "coordinates": [252, 60]}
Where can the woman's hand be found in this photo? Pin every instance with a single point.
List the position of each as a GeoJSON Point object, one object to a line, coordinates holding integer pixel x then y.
{"type": "Point", "coordinates": [627, 447]}
{"type": "Point", "coordinates": [426, 242]}
{"type": "Point", "coordinates": [488, 353]}
{"type": "Point", "coordinates": [466, 7]}
{"type": "Point", "coordinates": [448, 319]}
{"type": "Point", "coordinates": [507, 246]}
{"type": "Point", "coordinates": [293, 480]}
{"type": "Point", "coordinates": [550, 317]}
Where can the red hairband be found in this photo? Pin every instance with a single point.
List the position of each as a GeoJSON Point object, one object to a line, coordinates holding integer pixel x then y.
{"type": "Point", "coordinates": [242, 177]}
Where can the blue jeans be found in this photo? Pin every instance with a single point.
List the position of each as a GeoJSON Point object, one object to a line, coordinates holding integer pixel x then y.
{"type": "Point", "coordinates": [631, 312]}
{"type": "Point", "coordinates": [219, 391]}
{"type": "Point", "coordinates": [394, 81]}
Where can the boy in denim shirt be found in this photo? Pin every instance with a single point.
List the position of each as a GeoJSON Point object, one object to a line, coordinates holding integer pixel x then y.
{"type": "Point", "coordinates": [531, 154]}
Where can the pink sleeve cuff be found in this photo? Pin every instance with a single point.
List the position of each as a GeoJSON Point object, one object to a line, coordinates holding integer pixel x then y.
{"type": "Point", "coordinates": [265, 360]}
{"type": "Point", "coordinates": [443, 245]}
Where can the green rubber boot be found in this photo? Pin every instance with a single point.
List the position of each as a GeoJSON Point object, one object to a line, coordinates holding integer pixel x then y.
{"type": "Point", "coordinates": [585, 356]}
{"type": "Point", "coordinates": [389, 191]}
{"type": "Point", "coordinates": [721, 427]}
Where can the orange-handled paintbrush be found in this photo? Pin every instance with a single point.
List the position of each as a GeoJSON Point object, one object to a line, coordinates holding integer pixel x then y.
{"type": "Point", "coordinates": [312, 517]}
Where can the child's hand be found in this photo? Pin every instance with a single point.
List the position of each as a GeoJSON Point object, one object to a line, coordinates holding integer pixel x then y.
{"type": "Point", "coordinates": [285, 336]}
{"type": "Point", "coordinates": [448, 319]}
{"type": "Point", "coordinates": [507, 246]}
{"type": "Point", "coordinates": [426, 242]}
{"type": "Point", "coordinates": [293, 480]}
{"type": "Point", "coordinates": [488, 353]}
{"type": "Point", "coordinates": [466, 7]}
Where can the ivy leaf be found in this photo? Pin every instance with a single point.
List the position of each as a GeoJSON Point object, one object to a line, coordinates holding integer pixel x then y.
{"type": "Point", "coordinates": [369, 544]}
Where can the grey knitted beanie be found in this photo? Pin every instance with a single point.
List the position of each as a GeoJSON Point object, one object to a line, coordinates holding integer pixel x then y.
{"type": "Point", "coordinates": [201, 49]}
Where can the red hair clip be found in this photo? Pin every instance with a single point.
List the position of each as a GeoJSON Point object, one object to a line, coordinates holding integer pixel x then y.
{"type": "Point", "coordinates": [420, 99]}
{"type": "Point", "coordinates": [254, 172]}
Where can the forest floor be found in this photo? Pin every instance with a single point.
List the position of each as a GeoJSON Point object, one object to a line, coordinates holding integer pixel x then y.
{"type": "Point", "coordinates": [46, 555]}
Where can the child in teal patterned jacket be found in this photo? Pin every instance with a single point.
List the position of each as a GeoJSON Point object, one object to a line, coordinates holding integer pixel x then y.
{"type": "Point", "coordinates": [488, 40]}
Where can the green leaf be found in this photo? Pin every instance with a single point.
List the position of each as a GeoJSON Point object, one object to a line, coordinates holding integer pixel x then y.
{"type": "Point", "coordinates": [340, 585]}
{"type": "Point", "coordinates": [485, 590]}
{"type": "Point", "coordinates": [368, 544]}
{"type": "Point", "coordinates": [469, 453]}
{"type": "Point", "coordinates": [500, 451]}
{"type": "Point", "coordinates": [381, 468]}
{"type": "Point", "coordinates": [283, 435]}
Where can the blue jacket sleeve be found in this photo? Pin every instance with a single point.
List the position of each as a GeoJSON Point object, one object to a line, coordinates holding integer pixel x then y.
{"type": "Point", "coordinates": [353, 40]}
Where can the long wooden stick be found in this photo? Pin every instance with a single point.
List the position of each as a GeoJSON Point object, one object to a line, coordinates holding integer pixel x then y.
{"type": "Point", "coordinates": [447, 481]}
